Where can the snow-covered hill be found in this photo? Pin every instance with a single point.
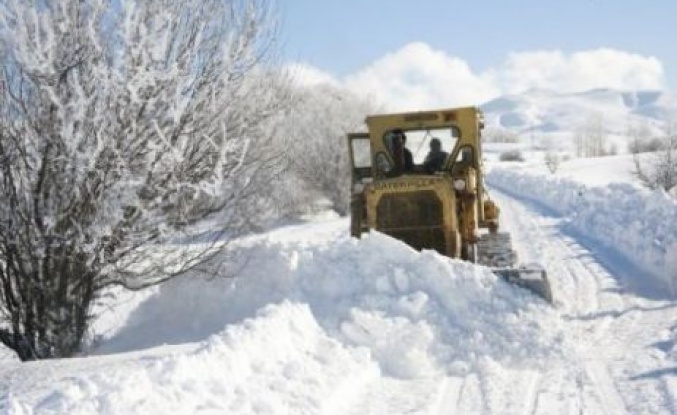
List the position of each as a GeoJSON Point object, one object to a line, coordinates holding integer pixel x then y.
{"type": "Point", "coordinates": [540, 114]}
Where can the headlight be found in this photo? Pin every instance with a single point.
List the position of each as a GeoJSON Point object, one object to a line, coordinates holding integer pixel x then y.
{"type": "Point", "coordinates": [383, 163]}
{"type": "Point", "coordinates": [459, 184]}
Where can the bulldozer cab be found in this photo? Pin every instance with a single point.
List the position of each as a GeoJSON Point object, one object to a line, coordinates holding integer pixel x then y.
{"type": "Point", "coordinates": [378, 154]}
{"type": "Point", "coordinates": [434, 200]}
{"type": "Point", "coordinates": [456, 130]}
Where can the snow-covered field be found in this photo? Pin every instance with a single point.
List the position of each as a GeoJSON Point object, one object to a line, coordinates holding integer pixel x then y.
{"type": "Point", "coordinates": [318, 323]}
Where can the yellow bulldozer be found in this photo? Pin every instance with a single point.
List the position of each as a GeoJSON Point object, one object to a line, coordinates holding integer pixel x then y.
{"type": "Point", "coordinates": [418, 177]}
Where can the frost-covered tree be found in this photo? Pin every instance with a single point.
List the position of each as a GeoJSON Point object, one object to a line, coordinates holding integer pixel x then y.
{"type": "Point", "coordinates": [552, 161]}
{"type": "Point", "coordinates": [318, 146]}
{"type": "Point", "coordinates": [552, 158]}
{"type": "Point", "coordinates": [125, 125]}
{"type": "Point", "coordinates": [495, 134]}
{"type": "Point", "coordinates": [589, 138]}
{"type": "Point", "coordinates": [658, 170]}
{"type": "Point", "coordinates": [511, 155]}
{"type": "Point", "coordinates": [642, 139]}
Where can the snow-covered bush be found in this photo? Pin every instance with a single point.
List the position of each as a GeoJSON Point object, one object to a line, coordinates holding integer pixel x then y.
{"type": "Point", "coordinates": [552, 161]}
{"type": "Point", "coordinates": [645, 145]}
{"type": "Point", "coordinates": [512, 155]}
{"type": "Point", "coordinates": [659, 170]}
{"type": "Point", "coordinates": [123, 125]}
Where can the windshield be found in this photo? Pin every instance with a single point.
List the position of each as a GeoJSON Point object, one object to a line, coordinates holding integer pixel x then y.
{"type": "Point", "coordinates": [419, 142]}
{"type": "Point", "coordinates": [424, 143]}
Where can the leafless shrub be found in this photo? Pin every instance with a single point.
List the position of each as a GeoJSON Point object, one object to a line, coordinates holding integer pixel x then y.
{"type": "Point", "coordinates": [590, 139]}
{"type": "Point", "coordinates": [499, 135]}
{"type": "Point", "coordinates": [512, 155]}
{"type": "Point", "coordinates": [645, 145]}
{"type": "Point", "coordinates": [552, 161]}
{"type": "Point", "coordinates": [659, 169]}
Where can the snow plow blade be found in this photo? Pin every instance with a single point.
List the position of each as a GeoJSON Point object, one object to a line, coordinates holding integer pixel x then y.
{"type": "Point", "coordinates": [534, 279]}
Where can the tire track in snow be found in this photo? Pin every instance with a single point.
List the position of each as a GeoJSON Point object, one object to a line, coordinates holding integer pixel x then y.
{"type": "Point", "coordinates": [471, 397]}
{"type": "Point", "coordinates": [555, 393]}
{"type": "Point", "coordinates": [580, 290]}
{"type": "Point", "coordinates": [605, 388]}
{"type": "Point", "coordinates": [510, 391]}
{"type": "Point", "coordinates": [593, 334]}
{"type": "Point", "coordinates": [448, 396]}
{"type": "Point", "coordinates": [533, 394]}
{"type": "Point", "coordinates": [389, 395]}
{"type": "Point", "coordinates": [670, 385]}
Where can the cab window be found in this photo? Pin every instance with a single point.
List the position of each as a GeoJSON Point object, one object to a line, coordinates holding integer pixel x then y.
{"type": "Point", "coordinates": [361, 149]}
{"type": "Point", "coordinates": [418, 141]}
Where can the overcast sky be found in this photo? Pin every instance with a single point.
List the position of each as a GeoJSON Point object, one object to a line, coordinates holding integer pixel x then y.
{"type": "Point", "coordinates": [448, 52]}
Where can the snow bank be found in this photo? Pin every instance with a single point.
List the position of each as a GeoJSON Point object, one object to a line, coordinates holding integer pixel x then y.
{"type": "Point", "coordinates": [638, 224]}
{"type": "Point", "coordinates": [278, 362]}
{"type": "Point", "coordinates": [313, 317]}
{"type": "Point", "coordinates": [418, 313]}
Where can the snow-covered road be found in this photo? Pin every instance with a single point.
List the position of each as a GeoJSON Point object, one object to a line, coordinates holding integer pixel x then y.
{"type": "Point", "coordinates": [617, 366]}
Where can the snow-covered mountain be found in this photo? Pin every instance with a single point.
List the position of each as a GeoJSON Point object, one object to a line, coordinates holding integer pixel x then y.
{"type": "Point", "coordinates": [542, 112]}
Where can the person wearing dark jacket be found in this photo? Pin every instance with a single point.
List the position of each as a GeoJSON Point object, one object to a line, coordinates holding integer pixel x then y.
{"type": "Point", "coordinates": [435, 159]}
{"type": "Point", "coordinates": [408, 165]}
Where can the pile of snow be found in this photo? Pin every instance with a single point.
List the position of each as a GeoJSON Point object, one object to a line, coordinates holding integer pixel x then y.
{"type": "Point", "coordinates": [307, 322]}
{"type": "Point", "coordinates": [418, 313]}
{"type": "Point", "coordinates": [7, 355]}
{"type": "Point", "coordinates": [638, 224]}
{"type": "Point", "coordinates": [279, 359]}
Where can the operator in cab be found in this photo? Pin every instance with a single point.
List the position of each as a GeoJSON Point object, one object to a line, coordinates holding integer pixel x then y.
{"type": "Point", "coordinates": [408, 158]}
{"type": "Point", "coordinates": [436, 157]}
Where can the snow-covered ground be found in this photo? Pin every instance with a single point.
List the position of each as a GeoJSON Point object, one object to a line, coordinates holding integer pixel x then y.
{"type": "Point", "coordinates": [316, 322]}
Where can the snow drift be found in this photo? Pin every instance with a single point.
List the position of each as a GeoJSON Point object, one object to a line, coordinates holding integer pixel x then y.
{"type": "Point", "coordinates": [638, 224]}
{"type": "Point", "coordinates": [279, 359]}
{"type": "Point", "coordinates": [304, 325]}
{"type": "Point", "coordinates": [413, 311]}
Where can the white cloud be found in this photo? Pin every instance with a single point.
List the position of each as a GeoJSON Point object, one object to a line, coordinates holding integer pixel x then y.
{"type": "Point", "coordinates": [419, 77]}
{"type": "Point", "coordinates": [580, 71]}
